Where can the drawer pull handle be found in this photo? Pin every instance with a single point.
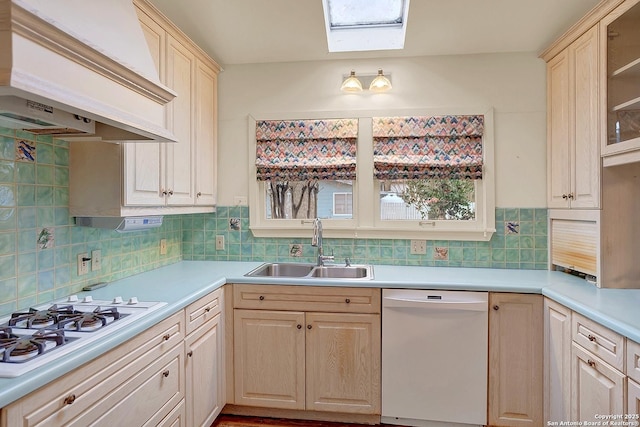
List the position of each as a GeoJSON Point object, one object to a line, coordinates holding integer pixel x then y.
{"type": "Point", "coordinates": [299, 326]}
{"type": "Point", "coordinates": [190, 354]}
{"type": "Point", "coordinates": [496, 307]}
{"type": "Point", "coordinates": [208, 309]}
{"type": "Point", "coordinates": [166, 337]}
{"type": "Point", "coordinates": [591, 363]}
{"type": "Point", "coordinates": [309, 326]}
{"type": "Point", "coordinates": [261, 297]}
{"type": "Point", "coordinates": [70, 399]}
{"type": "Point", "coordinates": [347, 300]}
{"type": "Point", "coordinates": [591, 338]}
{"type": "Point", "coordinates": [165, 373]}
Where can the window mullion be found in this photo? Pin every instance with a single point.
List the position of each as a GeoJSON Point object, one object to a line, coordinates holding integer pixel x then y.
{"type": "Point", "coordinates": [365, 198]}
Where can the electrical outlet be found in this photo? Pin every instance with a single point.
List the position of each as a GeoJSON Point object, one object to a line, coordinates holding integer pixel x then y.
{"type": "Point", "coordinates": [83, 264]}
{"type": "Point", "coordinates": [418, 247]}
{"type": "Point", "coordinates": [96, 260]}
{"type": "Point", "coordinates": [163, 246]}
{"type": "Point", "coordinates": [220, 243]}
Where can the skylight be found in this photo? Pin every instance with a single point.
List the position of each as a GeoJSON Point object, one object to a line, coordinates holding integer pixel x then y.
{"type": "Point", "coordinates": [358, 25]}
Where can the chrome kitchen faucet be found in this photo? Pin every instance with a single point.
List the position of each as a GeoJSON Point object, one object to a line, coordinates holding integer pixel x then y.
{"type": "Point", "coordinates": [316, 240]}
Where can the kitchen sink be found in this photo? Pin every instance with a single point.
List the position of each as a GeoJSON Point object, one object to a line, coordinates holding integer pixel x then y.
{"type": "Point", "coordinates": [312, 271]}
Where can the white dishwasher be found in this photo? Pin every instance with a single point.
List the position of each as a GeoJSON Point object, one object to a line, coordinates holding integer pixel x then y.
{"type": "Point", "coordinates": [434, 357]}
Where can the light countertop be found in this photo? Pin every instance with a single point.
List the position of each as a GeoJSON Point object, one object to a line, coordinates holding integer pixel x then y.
{"type": "Point", "coordinates": [185, 282]}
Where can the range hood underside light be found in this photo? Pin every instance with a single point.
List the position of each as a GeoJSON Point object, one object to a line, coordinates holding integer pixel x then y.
{"type": "Point", "coordinates": [72, 56]}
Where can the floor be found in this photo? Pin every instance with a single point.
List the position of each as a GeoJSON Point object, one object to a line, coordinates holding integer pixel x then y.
{"type": "Point", "coordinates": [238, 421]}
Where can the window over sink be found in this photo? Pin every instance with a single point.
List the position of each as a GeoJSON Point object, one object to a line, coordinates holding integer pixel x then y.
{"type": "Point", "coordinates": [372, 174]}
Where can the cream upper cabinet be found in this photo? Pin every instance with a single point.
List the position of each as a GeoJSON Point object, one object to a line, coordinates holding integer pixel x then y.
{"type": "Point", "coordinates": [138, 178]}
{"type": "Point", "coordinates": [620, 31]}
{"type": "Point", "coordinates": [515, 360]}
{"type": "Point", "coordinates": [573, 125]}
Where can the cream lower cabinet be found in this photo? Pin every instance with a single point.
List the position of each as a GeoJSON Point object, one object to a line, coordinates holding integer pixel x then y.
{"type": "Point", "coordinates": [304, 359]}
{"type": "Point", "coordinates": [557, 362]}
{"type": "Point", "coordinates": [141, 382]}
{"type": "Point", "coordinates": [205, 394]}
{"type": "Point", "coordinates": [597, 388]}
{"type": "Point", "coordinates": [633, 380]}
{"type": "Point", "coordinates": [515, 360]}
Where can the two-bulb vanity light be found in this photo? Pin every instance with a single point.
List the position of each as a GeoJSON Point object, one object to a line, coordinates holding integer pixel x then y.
{"type": "Point", "coordinates": [377, 83]}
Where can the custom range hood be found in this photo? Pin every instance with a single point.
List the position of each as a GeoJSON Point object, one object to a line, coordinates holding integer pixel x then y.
{"type": "Point", "coordinates": [79, 68]}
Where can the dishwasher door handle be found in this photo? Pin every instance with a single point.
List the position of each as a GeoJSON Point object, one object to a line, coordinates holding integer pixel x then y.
{"type": "Point", "coordinates": [435, 304]}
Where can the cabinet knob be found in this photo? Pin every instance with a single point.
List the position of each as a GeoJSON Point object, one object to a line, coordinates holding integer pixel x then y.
{"type": "Point", "coordinates": [70, 399]}
{"type": "Point", "coordinates": [299, 326]}
{"type": "Point", "coordinates": [564, 196]}
{"type": "Point", "coordinates": [261, 297]}
{"type": "Point", "coordinates": [166, 337]}
{"type": "Point", "coordinates": [496, 307]}
{"type": "Point", "coordinates": [347, 300]}
{"type": "Point", "coordinates": [163, 192]}
{"type": "Point", "coordinates": [208, 309]}
{"type": "Point", "coordinates": [190, 354]}
{"type": "Point", "coordinates": [165, 373]}
{"type": "Point", "coordinates": [591, 363]}
{"type": "Point", "coordinates": [199, 194]}
{"type": "Point", "coordinates": [309, 326]}
{"type": "Point", "coordinates": [570, 195]}
{"type": "Point", "coordinates": [171, 192]}
{"type": "Point", "coordinates": [591, 338]}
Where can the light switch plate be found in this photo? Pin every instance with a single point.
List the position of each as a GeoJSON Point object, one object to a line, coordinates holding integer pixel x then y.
{"type": "Point", "coordinates": [219, 243]}
{"type": "Point", "coordinates": [163, 246]}
{"type": "Point", "coordinates": [83, 264]}
{"type": "Point", "coordinates": [96, 260]}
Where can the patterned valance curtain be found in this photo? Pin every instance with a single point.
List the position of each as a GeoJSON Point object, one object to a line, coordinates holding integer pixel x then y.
{"type": "Point", "coordinates": [441, 147]}
{"type": "Point", "coordinates": [300, 150]}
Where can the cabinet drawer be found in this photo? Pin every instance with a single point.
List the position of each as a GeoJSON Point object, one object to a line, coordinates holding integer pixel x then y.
{"type": "Point", "coordinates": [633, 360]}
{"type": "Point", "coordinates": [307, 298]}
{"type": "Point", "coordinates": [64, 400]}
{"type": "Point", "coordinates": [599, 340]}
{"type": "Point", "coordinates": [206, 308]}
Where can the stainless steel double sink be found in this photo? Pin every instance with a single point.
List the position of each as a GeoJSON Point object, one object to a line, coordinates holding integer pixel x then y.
{"type": "Point", "coordinates": [312, 271]}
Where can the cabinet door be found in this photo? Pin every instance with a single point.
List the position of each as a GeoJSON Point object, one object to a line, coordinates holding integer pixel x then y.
{"type": "Point", "coordinates": [343, 362]}
{"type": "Point", "coordinates": [204, 373]}
{"type": "Point", "coordinates": [205, 134]}
{"type": "Point", "coordinates": [585, 167]}
{"type": "Point", "coordinates": [596, 387]}
{"type": "Point", "coordinates": [515, 360]}
{"type": "Point", "coordinates": [142, 178]}
{"type": "Point", "coordinates": [178, 164]}
{"type": "Point", "coordinates": [558, 133]}
{"type": "Point", "coordinates": [557, 361]}
{"type": "Point", "coordinates": [633, 392]}
{"type": "Point", "coordinates": [269, 363]}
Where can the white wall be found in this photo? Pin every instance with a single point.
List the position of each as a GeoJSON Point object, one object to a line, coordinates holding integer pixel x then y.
{"type": "Point", "coordinates": [513, 84]}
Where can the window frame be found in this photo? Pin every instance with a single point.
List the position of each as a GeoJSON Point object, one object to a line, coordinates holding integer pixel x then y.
{"type": "Point", "coordinates": [366, 222]}
{"type": "Point", "coordinates": [342, 193]}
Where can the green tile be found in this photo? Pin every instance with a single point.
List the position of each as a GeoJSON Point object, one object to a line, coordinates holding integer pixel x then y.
{"type": "Point", "coordinates": [27, 285]}
{"type": "Point", "coordinates": [45, 281]}
{"type": "Point", "coordinates": [512, 214]}
{"type": "Point", "coordinates": [44, 195]}
{"type": "Point", "coordinates": [44, 175]}
{"type": "Point", "coordinates": [45, 259]}
{"type": "Point", "coordinates": [27, 263]}
{"type": "Point", "coordinates": [45, 217]}
{"type": "Point", "coordinates": [27, 217]}
{"type": "Point", "coordinates": [526, 242]}
{"type": "Point", "coordinates": [7, 266]}
{"type": "Point", "coordinates": [512, 241]}
{"type": "Point", "coordinates": [7, 243]}
{"type": "Point", "coordinates": [8, 290]}
{"type": "Point", "coordinates": [7, 148]}
{"type": "Point", "coordinates": [512, 255]}
{"type": "Point", "coordinates": [26, 195]}
{"type": "Point", "coordinates": [45, 154]}
{"type": "Point", "coordinates": [25, 173]}
{"type": "Point", "coordinates": [61, 176]}
{"type": "Point", "coordinates": [7, 171]}
{"type": "Point", "coordinates": [60, 156]}
{"type": "Point", "coordinates": [469, 254]}
{"type": "Point", "coordinates": [526, 255]}
{"type": "Point", "coordinates": [8, 219]}
{"type": "Point", "coordinates": [7, 195]}
{"type": "Point", "coordinates": [526, 214]}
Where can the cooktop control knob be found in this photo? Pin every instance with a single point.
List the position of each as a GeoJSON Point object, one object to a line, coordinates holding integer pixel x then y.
{"type": "Point", "coordinates": [72, 298]}
{"type": "Point", "coordinates": [88, 298]}
{"type": "Point", "coordinates": [133, 300]}
{"type": "Point", "coordinates": [117, 300]}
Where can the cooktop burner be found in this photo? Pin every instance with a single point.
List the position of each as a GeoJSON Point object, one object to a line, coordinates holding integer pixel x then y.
{"type": "Point", "coordinates": [33, 338]}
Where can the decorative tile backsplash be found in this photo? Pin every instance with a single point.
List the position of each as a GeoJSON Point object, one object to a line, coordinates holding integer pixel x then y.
{"type": "Point", "coordinates": [39, 241]}
{"type": "Point", "coordinates": [520, 242]}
